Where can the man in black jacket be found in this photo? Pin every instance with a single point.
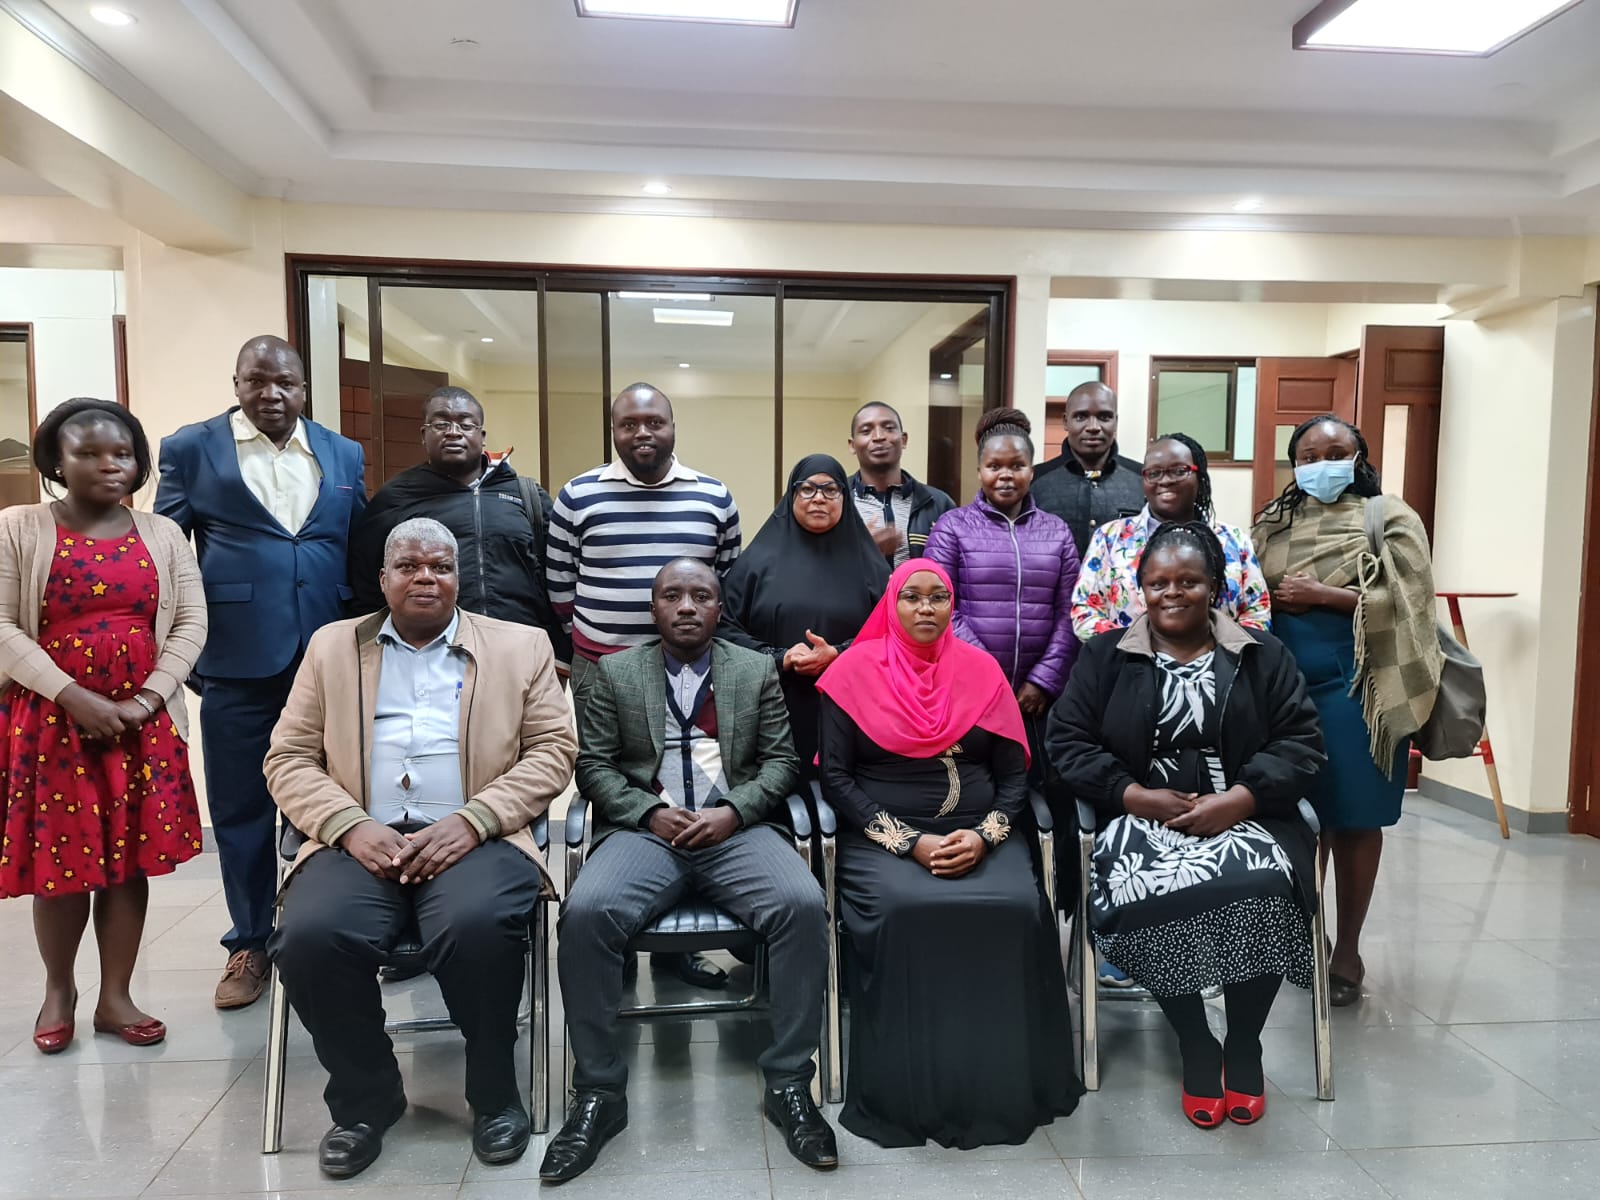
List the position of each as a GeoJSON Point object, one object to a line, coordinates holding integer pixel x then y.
{"type": "Point", "coordinates": [1089, 483]}
{"type": "Point", "coordinates": [498, 519]}
{"type": "Point", "coordinates": [897, 509]}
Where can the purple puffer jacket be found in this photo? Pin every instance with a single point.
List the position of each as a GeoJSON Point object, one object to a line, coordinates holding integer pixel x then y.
{"type": "Point", "coordinates": [1013, 585]}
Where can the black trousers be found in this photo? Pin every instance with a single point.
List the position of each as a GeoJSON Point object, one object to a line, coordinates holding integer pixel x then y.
{"type": "Point", "coordinates": [632, 878]}
{"type": "Point", "coordinates": [338, 921]}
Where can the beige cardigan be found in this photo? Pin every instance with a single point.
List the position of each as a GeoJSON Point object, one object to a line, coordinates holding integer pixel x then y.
{"type": "Point", "coordinates": [27, 549]}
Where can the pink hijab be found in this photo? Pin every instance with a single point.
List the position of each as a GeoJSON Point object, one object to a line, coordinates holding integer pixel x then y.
{"type": "Point", "coordinates": [918, 700]}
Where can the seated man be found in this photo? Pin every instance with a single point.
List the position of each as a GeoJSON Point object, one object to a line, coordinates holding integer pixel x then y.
{"type": "Point", "coordinates": [415, 750]}
{"type": "Point", "coordinates": [687, 760]}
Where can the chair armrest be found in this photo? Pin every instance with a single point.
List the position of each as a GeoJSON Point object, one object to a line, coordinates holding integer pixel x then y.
{"type": "Point", "coordinates": [799, 816]}
{"type": "Point", "coordinates": [290, 840]}
{"type": "Point", "coordinates": [1308, 814]}
{"type": "Point", "coordinates": [1043, 820]}
{"type": "Point", "coordinates": [577, 820]}
{"type": "Point", "coordinates": [541, 831]}
{"type": "Point", "coordinates": [1086, 817]}
{"type": "Point", "coordinates": [827, 819]}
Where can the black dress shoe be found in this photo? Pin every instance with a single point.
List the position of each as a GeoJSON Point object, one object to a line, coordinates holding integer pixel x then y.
{"type": "Point", "coordinates": [694, 969]}
{"type": "Point", "coordinates": [805, 1131]}
{"type": "Point", "coordinates": [502, 1136]}
{"type": "Point", "coordinates": [592, 1121]}
{"type": "Point", "coordinates": [348, 1150]}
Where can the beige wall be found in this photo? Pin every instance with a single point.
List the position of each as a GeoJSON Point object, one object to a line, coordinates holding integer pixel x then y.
{"type": "Point", "coordinates": [188, 313]}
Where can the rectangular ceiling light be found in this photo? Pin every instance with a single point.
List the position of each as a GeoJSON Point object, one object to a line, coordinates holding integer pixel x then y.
{"type": "Point", "coordinates": [1466, 27]}
{"type": "Point", "coordinates": [721, 12]}
{"type": "Point", "coordinates": [699, 297]}
{"type": "Point", "coordinates": [693, 316]}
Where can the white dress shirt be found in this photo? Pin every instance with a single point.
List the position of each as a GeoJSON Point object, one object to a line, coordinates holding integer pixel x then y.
{"type": "Point", "coordinates": [416, 745]}
{"type": "Point", "coordinates": [285, 481]}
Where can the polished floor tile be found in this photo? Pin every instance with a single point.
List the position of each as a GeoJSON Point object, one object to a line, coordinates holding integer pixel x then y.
{"type": "Point", "coordinates": [1332, 1175]}
{"type": "Point", "coordinates": [1548, 1171]}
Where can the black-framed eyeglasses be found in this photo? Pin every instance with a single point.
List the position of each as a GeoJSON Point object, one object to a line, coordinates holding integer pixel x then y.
{"type": "Point", "coordinates": [934, 600]}
{"type": "Point", "coordinates": [807, 490]}
{"type": "Point", "coordinates": [442, 426]}
{"type": "Point", "coordinates": [1175, 474]}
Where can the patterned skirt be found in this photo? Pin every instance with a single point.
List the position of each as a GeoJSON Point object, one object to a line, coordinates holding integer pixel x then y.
{"type": "Point", "coordinates": [1181, 914]}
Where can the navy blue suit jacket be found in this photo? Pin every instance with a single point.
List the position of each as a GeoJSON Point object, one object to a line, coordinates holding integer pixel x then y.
{"type": "Point", "coordinates": [267, 589]}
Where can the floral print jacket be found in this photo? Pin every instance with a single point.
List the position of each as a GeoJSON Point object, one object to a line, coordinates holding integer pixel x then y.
{"type": "Point", "coordinates": [1108, 598]}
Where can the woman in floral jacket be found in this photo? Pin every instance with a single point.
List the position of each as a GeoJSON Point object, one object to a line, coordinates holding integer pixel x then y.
{"type": "Point", "coordinates": [1177, 488]}
{"type": "Point", "coordinates": [1194, 739]}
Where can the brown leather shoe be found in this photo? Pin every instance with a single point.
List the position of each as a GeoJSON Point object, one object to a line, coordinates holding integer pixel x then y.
{"type": "Point", "coordinates": [243, 979]}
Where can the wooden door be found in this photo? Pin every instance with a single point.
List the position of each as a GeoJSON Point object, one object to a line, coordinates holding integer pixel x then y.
{"type": "Point", "coordinates": [390, 439]}
{"type": "Point", "coordinates": [1402, 366]}
{"type": "Point", "coordinates": [1290, 391]}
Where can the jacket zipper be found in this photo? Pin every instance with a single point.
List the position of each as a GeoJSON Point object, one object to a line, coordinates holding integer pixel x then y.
{"type": "Point", "coordinates": [477, 530]}
{"type": "Point", "coordinates": [1016, 642]}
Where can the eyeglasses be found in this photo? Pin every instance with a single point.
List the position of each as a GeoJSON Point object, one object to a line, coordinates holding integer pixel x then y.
{"type": "Point", "coordinates": [934, 600]}
{"type": "Point", "coordinates": [443, 426]}
{"type": "Point", "coordinates": [810, 491]}
{"type": "Point", "coordinates": [1169, 474]}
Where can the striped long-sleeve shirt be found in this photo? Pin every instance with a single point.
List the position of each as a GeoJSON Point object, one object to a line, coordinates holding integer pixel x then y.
{"type": "Point", "coordinates": [610, 534]}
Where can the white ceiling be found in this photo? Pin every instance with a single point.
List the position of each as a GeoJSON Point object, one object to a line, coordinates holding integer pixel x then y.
{"type": "Point", "coordinates": [1137, 113]}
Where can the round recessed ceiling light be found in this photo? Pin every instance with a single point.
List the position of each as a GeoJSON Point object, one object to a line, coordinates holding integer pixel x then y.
{"type": "Point", "coordinates": [484, 339]}
{"type": "Point", "coordinates": [107, 15]}
{"type": "Point", "coordinates": [1247, 204]}
{"type": "Point", "coordinates": [656, 188]}
{"type": "Point", "coordinates": [684, 366]}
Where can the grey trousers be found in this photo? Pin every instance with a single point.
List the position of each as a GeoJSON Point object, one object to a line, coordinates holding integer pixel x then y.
{"type": "Point", "coordinates": [582, 680]}
{"type": "Point", "coordinates": [631, 878]}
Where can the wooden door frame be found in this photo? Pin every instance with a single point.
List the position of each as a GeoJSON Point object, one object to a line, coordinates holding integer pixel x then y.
{"type": "Point", "coordinates": [25, 329]}
{"type": "Point", "coordinates": [1582, 816]}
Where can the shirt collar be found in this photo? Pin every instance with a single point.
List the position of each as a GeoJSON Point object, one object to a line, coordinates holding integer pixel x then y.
{"type": "Point", "coordinates": [1071, 461]}
{"type": "Point", "coordinates": [388, 633]}
{"type": "Point", "coordinates": [676, 666]}
{"type": "Point", "coordinates": [244, 430]}
{"type": "Point", "coordinates": [904, 487]}
{"type": "Point", "coordinates": [615, 470]}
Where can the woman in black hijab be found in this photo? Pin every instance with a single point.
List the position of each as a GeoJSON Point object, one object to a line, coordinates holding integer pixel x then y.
{"type": "Point", "coordinates": [802, 588]}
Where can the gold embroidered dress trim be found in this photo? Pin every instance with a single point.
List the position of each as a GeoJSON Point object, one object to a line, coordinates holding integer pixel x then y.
{"type": "Point", "coordinates": [995, 828]}
{"type": "Point", "coordinates": [952, 795]}
{"type": "Point", "coordinates": [893, 835]}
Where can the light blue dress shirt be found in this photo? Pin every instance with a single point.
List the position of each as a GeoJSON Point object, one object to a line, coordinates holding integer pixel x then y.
{"type": "Point", "coordinates": [416, 748]}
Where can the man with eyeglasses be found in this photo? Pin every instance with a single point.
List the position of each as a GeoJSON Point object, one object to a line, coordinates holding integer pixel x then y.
{"type": "Point", "coordinates": [271, 500]}
{"type": "Point", "coordinates": [1089, 483]}
{"type": "Point", "coordinates": [500, 520]}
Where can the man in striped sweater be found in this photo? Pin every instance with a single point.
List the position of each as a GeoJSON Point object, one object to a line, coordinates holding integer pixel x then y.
{"type": "Point", "coordinates": [612, 529]}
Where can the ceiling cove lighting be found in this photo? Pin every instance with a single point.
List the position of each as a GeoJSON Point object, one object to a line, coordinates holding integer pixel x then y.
{"type": "Point", "coordinates": [107, 15]}
{"type": "Point", "coordinates": [693, 316]}
{"type": "Point", "coordinates": [1247, 204]}
{"type": "Point", "coordinates": [776, 13]}
{"type": "Point", "coordinates": [701, 297]}
{"type": "Point", "coordinates": [1465, 27]}
{"type": "Point", "coordinates": [656, 188]}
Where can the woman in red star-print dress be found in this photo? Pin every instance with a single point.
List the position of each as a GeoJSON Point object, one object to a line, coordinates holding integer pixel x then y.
{"type": "Point", "coordinates": [101, 617]}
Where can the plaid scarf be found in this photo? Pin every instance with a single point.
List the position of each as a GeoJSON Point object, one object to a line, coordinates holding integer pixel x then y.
{"type": "Point", "coordinates": [1397, 655]}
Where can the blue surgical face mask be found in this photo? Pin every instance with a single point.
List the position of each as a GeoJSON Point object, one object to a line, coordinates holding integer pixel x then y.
{"type": "Point", "coordinates": [1325, 480]}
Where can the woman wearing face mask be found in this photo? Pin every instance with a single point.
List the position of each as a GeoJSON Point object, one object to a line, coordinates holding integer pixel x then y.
{"type": "Point", "coordinates": [1177, 488]}
{"type": "Point", "coordinates": [802, 588]}
{"type": "Point", "coordinates": [1012, 567]}
{"type": "Point", "coordinates": [102, 616]}
{"type": "Point", "coordinates": [1194, 740]}
{"type": "Point", "coordinates": [1335, 605]}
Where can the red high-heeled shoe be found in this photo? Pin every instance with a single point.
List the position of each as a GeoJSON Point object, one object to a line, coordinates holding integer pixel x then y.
{"type": "Point", "coordinates": [1243, 1108]}
{"type": "Point", "coordinates": [1204, 1111]}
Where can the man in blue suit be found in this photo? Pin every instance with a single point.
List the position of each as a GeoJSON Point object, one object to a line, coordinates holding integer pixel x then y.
{"type": "Point", "coordinates": [271, 500]}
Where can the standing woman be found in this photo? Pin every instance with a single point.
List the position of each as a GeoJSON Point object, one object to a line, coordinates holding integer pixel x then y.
{"type": "Point", "coordinates": [1364, 632]}
{"type": "Point", "coordinates": [958, 1002]}
{"type": "Point", "coordinates": [1177, 490]}
{"type": "Point", "coordinates": [803, 587]}
{"type": "Point", "coordinates": [1012, 567]}
{"type": "Point", "coordinates": [102, 615]}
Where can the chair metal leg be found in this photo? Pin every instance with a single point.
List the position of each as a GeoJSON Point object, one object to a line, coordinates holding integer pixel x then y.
{"type": "Point", "coordinates": [539, 1026]}
{"type": "Point", "coordinates": [832, 1050]}
{"type": "Point", "coordinates": [277, 1067]}
{"type": "Point", "coordinates": [1088, 981]}
{"type": "Point", "coordinates": [1322, 1012]}
{"type": "Point", "coordinates": [1047, 864]}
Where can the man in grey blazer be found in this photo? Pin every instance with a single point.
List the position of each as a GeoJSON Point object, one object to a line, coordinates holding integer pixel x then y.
{"type": "Point", "coordinates": [686, 756]}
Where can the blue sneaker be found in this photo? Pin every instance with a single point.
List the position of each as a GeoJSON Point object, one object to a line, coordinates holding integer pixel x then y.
{"type": "Point", "coordinates": [1111, 977]}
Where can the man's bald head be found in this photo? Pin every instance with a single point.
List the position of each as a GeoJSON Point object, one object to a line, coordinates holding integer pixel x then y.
{"type": "Point", "coordinates": [268, 343]}
{"type": "Point", "coordinates": [269, 381]}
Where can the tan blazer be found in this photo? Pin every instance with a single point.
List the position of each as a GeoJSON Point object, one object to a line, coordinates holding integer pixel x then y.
{"type": "Point", "coordinates": [517, 744]}
{"type": "Point", "coordinates": [27, 549]}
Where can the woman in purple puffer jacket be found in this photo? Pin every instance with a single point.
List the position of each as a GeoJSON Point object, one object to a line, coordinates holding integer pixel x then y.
{"type": "Point", "coordinates": [1013, 567]}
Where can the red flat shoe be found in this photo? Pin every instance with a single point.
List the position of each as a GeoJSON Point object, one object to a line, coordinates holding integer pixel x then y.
{"type": "Point", "coordinates": [1243, 1108]}
{"type": "Point", "coordinates": [55, 1039]}
{"type": "Point", "coordinates": [1204, 1111]}
{"type": "Point", "coordinates": [141, 1033]}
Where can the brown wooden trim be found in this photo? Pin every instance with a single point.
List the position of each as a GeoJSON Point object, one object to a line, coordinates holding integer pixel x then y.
{"type": "Point", "coordinates": [1200, 364]}
{"type": "Point", "coordinates": [779, 475]}
{"type": "Point", "coordinates": [119, 355]}
{"type": "Point", "coordinates": [375, 372]}
{"type": "Point", "coordinates": [542, 336]}
{"type": "Point", "coordinates": [1106, 360]}
{"type": "Point", "coordinates": [1583, 810]}
{"type": "Point", "coordinates": [605, 376]}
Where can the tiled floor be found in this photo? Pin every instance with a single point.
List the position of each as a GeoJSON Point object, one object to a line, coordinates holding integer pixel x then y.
{"type": "Point", "coordinates": [1469, 1072]}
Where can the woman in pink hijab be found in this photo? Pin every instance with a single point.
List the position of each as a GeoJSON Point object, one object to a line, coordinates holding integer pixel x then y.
{"type": "Point", "coordinates": [958, 1004]}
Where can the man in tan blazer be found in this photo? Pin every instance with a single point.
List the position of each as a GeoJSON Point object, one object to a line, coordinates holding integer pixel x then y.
{"type": "Point", "coordinates": [417, 746]}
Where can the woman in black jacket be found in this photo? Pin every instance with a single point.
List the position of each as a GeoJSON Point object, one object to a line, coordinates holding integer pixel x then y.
{"type": "Point", "coordinates": [1194, 740]}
